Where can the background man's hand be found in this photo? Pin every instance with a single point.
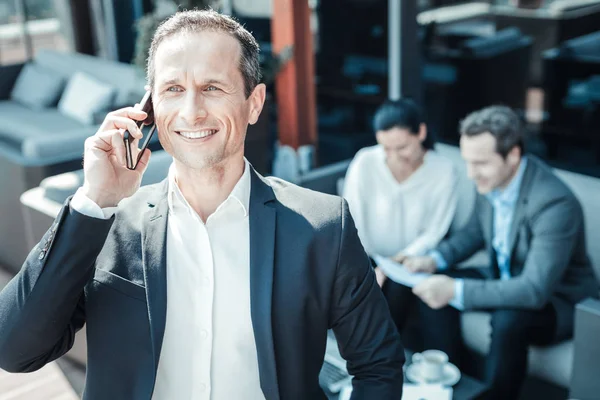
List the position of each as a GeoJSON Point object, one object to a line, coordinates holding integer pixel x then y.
{"type": "Point", "coordinates": [380, 276]}
{"type": "Point", "coordinates": [400, 258]}
{"type": "Point", "coordinates": [420, 264]}
{"type": "Point", "coordinates": [106, 177]}
{"type": "Point", "coordinates": [436, 291]}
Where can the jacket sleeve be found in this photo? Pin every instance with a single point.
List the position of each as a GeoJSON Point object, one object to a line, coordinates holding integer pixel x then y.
{"type": "Point", "coordinates": [43, 307]}
{"type": "Point", "coordinates": [361, 321]}
{"type": "Point", "coordinates": [464, 243]}
{"type": "Point", "coordinates": [556, 229]}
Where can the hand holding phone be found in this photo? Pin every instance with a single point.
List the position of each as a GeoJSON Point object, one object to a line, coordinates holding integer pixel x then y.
{"type": "Point", "coordinates": [106, 182]}
{"type": "Point", "coordinates": [132, 154]}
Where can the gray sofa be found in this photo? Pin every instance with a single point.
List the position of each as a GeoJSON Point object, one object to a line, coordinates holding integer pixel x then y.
{"type": "Point", "coordinates": [553, 364]}
{"type": "Point", "coordinates": [40, 142]}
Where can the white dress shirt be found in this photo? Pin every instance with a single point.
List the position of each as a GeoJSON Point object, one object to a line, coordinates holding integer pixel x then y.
{"type": "Point", "coordinates": [208, 349]}
{"type": "Point", "coordinates": [391, 217]}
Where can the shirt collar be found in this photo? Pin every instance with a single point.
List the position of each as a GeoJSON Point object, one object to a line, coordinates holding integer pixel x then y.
{"type": "Point", "coordinates": [240, 192]}
{"type": "Point", "coordinates": [509, 195]}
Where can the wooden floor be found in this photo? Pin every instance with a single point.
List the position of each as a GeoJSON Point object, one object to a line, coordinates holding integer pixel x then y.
{"type": "Point", "coordinates": [48, 383]}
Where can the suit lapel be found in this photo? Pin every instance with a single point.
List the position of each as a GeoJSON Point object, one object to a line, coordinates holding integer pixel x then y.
{"type": "Point", "coordinates": [262, 246]}
{"type": "Point", "coordinates": [519, 212]}
{"type": "Point", "coordinates": [154, 258]}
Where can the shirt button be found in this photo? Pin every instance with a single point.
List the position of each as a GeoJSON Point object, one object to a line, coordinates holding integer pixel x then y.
{"type": "Point", "coordinates": [202, 387]}
{"type": "Point", "coordinates": [203, 334]}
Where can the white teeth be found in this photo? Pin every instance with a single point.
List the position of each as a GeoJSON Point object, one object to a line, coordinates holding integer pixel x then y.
{"type": "Point", "coordinates": [198, 135]}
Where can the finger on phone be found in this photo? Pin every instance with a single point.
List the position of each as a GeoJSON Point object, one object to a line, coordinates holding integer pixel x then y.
{"type": "Point", "coordinates": [119, 147]}
{"type": "Point", "coordinates": [108, 141]}
{"type": "Point", "coordinates": [130, 112]}
{"type": "Point", "coordinates": [117, 122]}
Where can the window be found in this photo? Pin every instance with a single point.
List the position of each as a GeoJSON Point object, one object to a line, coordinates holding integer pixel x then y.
{"type": "Point", "coordinates": [27, 26]}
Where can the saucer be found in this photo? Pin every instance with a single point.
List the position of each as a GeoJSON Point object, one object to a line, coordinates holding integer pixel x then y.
{"type": "Point", "coordinates": [450, 377]}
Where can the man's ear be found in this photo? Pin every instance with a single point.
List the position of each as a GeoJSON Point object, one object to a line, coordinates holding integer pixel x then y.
{"type": "Point", "coordinates": [514, 156]}
{"type": "Point", "coordinates": [257, 101]}
{"type": "Point", "coordinates": [422, 132]}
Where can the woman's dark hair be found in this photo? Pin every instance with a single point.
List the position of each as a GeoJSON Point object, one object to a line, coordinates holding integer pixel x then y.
{"type": "Point", "coordinates": [402, 113]}
{"type": "Point", "coordinates": [500, 121]}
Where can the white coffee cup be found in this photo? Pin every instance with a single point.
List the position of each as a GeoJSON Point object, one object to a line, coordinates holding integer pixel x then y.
{"type": "Point", "coordinates": [431, 364]}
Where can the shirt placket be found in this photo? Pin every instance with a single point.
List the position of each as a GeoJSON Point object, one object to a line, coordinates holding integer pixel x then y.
{"type": "Point", "coordinates": [204, 325]}
{"type": "Point", "coordinates": [503, 223]}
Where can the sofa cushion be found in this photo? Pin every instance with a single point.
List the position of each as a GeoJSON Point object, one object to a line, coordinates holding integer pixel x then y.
{"type": "Point", "coordinates": [85, 96]}
{"type": "Point", "coordinates": [37, 87]}
{"type": "Point", "coordinates": [586, 189]}
{"type": "Point", "coordinates": [126, 78]}
{"type": "Point", "coordinates": [20, 123]}
{"type": "Point", "coordinates": [551, 363]}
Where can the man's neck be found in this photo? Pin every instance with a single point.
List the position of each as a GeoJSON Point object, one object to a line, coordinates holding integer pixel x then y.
{"type": "Point", "coordinates": [207, 188]}
{"type": "Point", "coordinates": [512, 176]}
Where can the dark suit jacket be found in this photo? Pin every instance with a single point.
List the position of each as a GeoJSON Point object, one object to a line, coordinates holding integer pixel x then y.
{"type": "Point", "coordinates": [308, 273]}
{"type": "Point", "coordinates": [549, 260]}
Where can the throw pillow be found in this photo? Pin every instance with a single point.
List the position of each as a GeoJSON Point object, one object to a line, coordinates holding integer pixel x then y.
{"type": "Point", "coordinates": [37, 87]}
{"type": "Point", "coordinates": [85, 96]}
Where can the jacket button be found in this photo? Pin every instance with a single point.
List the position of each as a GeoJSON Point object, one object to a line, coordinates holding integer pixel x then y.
{"type": "Point", "coordinates": [42, 255]}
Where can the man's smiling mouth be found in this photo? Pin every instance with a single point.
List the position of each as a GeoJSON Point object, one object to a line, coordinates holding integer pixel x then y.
{"type": "Point", "coordinates": [197, 134]}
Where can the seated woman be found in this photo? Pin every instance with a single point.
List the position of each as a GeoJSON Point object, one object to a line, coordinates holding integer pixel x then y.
{"type": "Point", "coordinates": [400, 192]}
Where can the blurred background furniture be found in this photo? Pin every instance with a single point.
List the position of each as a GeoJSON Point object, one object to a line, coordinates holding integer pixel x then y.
{"type": "Point", "coordinates": [40, 142]}
{"type": "Point", "coordinates": [549, 25]}
{"type": "Point", "coordinates": [464, 73]}
{"type": "Point", "coordinates": [584, 381]}
{"type": "Point", "coordinates": [572, 94]}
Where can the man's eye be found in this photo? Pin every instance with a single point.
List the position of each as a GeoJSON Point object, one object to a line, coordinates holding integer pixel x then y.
{"type": "Point", "coordinates": [173, 89]}
{"type": "Point", "coordinates": [211, 88]}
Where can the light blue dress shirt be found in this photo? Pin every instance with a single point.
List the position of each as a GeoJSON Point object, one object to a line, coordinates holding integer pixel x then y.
{"type": "Point", "coordinates": [504, 204]}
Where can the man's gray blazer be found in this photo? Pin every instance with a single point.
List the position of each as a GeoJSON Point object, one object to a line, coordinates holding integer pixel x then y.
{"type": "Point", "coordinates": [308, 273]}
{"type": "Point", "coordinates": [549, 261]}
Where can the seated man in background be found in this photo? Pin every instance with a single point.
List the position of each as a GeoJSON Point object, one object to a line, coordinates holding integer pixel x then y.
{"type": "Point", "coordinates": [532, 226]}
{"type": "Point", "coordinates": [400, 192]}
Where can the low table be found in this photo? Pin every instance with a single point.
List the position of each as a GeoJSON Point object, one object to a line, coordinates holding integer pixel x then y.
{"type": "Point", "coordinates": [468, 388]}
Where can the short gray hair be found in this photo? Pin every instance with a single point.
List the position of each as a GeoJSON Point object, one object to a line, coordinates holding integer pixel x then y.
{"type": "Point", "coordinates": [501, 122]}
{"type": "Point", "coordinates": [210, 20]}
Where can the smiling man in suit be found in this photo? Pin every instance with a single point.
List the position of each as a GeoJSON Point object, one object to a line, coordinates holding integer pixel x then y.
{"type": "Point", "coordinates": [532, 227]}
{"type": "Point", "coordinates": [216, 283]}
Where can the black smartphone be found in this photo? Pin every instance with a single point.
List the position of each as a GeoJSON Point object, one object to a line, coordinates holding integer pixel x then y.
{"type": "Point", "coordinates": [129, 140]}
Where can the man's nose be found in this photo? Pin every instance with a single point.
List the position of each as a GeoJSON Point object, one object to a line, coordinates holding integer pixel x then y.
{"type": "Point", "coordinates": [194, 109]}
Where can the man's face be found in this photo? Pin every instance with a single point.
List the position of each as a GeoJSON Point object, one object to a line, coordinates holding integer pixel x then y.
{"type": "Point", "coordinates": [200, 107]}
{"type": "Point", "coordinates": [402, 148]}
{"type": "Point", "coordinates": [488, 169]}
